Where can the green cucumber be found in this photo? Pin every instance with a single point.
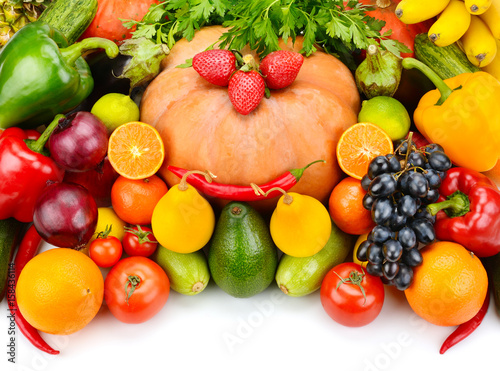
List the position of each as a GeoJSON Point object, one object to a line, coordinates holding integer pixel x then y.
{"type": "Point", "coordinates": [448, 61]}
{"type": "Point", "coordinates": [71, 17]}
{"type": "Point", "coordinates": [10, 230]}
{"type": "Point", "coordinates": [303, 276]}
{"type": "Point", "coordinates": [188, 273]}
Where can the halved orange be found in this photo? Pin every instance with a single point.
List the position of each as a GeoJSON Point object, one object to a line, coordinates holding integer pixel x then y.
{"type": "Point", "coordinates": [360, 144]}
{"type": "Point", "coordinates": [135, 150]}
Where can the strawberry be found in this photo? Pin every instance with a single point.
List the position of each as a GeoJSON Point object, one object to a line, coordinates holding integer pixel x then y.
{"type": "Point", "coordinates": [215, 65]}
{"type": "Point", "coordinates": [280, 68]}
{"type": "Point", "coordinates": [246, 89]}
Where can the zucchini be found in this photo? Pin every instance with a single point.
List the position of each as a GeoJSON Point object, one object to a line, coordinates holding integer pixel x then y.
{"type": "Point", "coordinates": [303, 276]}
{"type": "Point", "coordinates": [447, 61]}
{"type": "Point", "coordinates": [10, 230]}
{"type": "Point", "coordinates": [71, 17]}
{"type": "Point", "coordinates": [188, 273]}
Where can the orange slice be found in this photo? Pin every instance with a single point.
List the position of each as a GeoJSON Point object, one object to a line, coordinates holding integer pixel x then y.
{"type": "Point", "coordinates": [360, 144]}
{"type": "Point", "coordinates": [135, 150]}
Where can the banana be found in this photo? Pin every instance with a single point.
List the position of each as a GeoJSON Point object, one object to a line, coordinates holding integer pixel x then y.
{"type": "Point", "coordinates": [415, 11]}
{"type": "Point", "coordinates": [451, 24]}
{"type": "Point", "coordinates": [478, 43]}
{"type": "Point", "coordinates": [492, 18]}
{"type": "Point", "coordinates": [494, 67]}
{"type": "Point", "coordinates": [477, 7]}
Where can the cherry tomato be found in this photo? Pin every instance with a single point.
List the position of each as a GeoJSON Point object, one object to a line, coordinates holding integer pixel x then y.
{"type": "Point", "coordinates": [139, 241]}
{"type": "Point", "coordinates": [136, 289]}
{"type": "Point", "coordinates": [105, 251]}
{"type": "Point", "coordinates": [351, 296]}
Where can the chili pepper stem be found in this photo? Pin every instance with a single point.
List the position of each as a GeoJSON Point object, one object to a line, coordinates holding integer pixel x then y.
{"type": "Point", "coordinates": [445, 90]}
{"type": "Point", "coordinates": [75, 51]}
{"type": "Point", "coordinates": [39, 144]}
{"type": "Point", "coordinates": [297, 173]}
{"type": "Point", "coordinates": [183, 185]}
{"type": "Point", "coordinates": [456, 204]}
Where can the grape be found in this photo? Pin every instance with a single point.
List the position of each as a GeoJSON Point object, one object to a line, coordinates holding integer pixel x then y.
{"type": "Point", "coordinates": [431, 197]}
{"type": "Point", "coordinates": [407, 238]}
{"type": "Point", "coordinates": [432, 147]}
{"type": "Point", "coordinates": [403, 182]}
{"type": "Point", "coordinates": [392, 250]}
{"type": "Point", "coordinates": [381, 210]}
{"type": "Point", "coordinates": [379, 165]}
{"type": "Point", "coordinates": [417, 185]}
{"type": "Point", "coordinates": [374, 269]}
{"type": "Point", "coordinates": [396, 221]}
{"type": "Point", "coordinates": [407, 205]}
{"type": "Point", "coordinates": [424, 230]}
{"type": "Point", "coordinates": [380, 234]}
{"type": "Point", "coordinates": [402, 146]}
{"type": "Point", "coordinates": [412, 257]}
{"type": "Point", "coordinates": [404, 277]}
{"type": "Point", "coordinates": [368, 201]}
{"type": "Point", "coordinates": [416, 159]}
{"type": "Point", "coordinates": [424, 213]}
{"type": "Point", "coordinates": [382, 185]}
{"type": "Point", "coordinates": [361, 252]}
{"type": "Point", "coordinates": [365, 182]}
{"type": "Point", "coordinates": [439, 161]}
{"type": "Point", "coordinates": [394, 164]}
{"type": "Point", "coordinates": [390, 269]}
{"type": "Point", "coordinates": [375, 254]}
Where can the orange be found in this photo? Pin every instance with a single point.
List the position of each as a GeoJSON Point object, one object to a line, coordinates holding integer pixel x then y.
{"type": "Point", "coordinates": [449, 287]}
{"type": "Point", "coordinates": [360, 144]}
{"type": "Point", "coordinates": [135, 150]}
{"type": "Point", "coordinates": [60, 291]}
{"type": "Point", "coordinates": [134, 200]}
{"type": "Point", "coordinates": [346, 207]}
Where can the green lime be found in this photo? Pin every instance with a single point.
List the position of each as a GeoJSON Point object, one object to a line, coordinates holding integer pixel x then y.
{"type": "Point", "coordinates": [115, 109]}
{"type": "Point", "coordinates": [388, 114]}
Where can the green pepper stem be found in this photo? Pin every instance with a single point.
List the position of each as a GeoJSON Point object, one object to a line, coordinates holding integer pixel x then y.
{"type": "Point", "coordinates": [445, 90]}
{"type": "Point", "coordinates": [39, 144]}
{"type": "Point", "coordinates": [75, 51]}
{"type": "Point", "coordinates": [297, 173]}
{"type": "Point", "coordinates": [456, 204]}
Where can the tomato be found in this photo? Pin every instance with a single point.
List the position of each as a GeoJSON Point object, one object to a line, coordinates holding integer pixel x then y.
{"type": "Point", "coordinates": [105, 251]}
{"type": "Point", "coordinates": [345, 302]}
{"type": "Point", "coordinates": [136, 289]}
{"type": "Point", "coordinates": [139, 241]}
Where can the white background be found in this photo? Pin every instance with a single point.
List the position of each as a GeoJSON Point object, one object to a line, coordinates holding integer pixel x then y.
{"type": "Point", "coordinates": [215, 331]}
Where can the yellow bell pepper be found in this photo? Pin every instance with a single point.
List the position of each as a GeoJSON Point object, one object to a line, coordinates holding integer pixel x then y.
{"type": "Point", "coordinates": [462, 115]}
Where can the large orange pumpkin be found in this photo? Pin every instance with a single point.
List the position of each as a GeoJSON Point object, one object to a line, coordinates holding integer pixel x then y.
{"type": "Point", "coordinates": [297, 125]}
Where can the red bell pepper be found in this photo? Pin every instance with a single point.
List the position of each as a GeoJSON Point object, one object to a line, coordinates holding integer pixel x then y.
{"type": "Point", "coordinates": [469, 211]}
{"type": "Point", "coordinates": [20, 133]}
{"type": "Point", "coordinates": [25, 170]}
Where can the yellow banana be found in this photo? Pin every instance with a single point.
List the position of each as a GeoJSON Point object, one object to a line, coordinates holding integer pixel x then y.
{"type": "Point", "coordinates": [492, 18]}
{"type": "Point", "coordinates": [451, 24]}
{"type": "Point", "coordinates": [494, 67]}
{"type": "Point", "coordinates": [415, 11]}
{"type": "Point", "coordinates": [477, 7]}
{"type": "Point", "coordinates": [478, 43]}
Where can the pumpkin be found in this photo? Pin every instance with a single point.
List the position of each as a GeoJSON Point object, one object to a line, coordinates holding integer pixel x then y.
{"type": "Point", "coordinates": [107, 21]}
{"type": "Point", "coordinates": [297, 125]}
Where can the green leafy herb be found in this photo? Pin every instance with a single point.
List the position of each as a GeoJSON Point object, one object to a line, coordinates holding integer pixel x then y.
{"type": "Point", "coordinates": [328, 24]}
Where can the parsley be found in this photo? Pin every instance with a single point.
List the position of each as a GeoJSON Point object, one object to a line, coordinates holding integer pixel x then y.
{"type": "Point", "coordinates": [328, 24]}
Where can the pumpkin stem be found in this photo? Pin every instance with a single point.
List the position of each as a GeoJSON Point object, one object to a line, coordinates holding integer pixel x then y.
{"type": "Point", "coordinates": [382, 4]}
{"type": "Point", "coordinates": [258, 191]}
{"type": "Point", "coordinates": [183, 185]}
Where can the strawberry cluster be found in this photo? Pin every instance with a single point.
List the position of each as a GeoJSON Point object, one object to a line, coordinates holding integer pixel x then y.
{"type": "Point", "coordinates": [248, 82]}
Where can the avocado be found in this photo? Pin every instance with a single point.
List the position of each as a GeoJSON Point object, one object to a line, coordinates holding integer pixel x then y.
{"type": "Point", "coordinates": [242, 256]}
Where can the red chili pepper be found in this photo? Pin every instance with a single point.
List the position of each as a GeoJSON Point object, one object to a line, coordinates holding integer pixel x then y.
{"type": "Point", "coordinates": [27, 249]}
{"type": "Point", "coordinates": [25, 170]}
{"type": "Point", "coordinates": [238, 192]}
{"type": "Point", "coordinates": [466, 328]}
{"type": "Point", "coordinates": [471, 217]}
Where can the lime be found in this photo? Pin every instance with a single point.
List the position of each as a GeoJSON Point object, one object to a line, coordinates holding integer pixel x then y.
{"type": "Point", "coordinates": [387, 113]}
{"type": "Point", "coordinates": [115, 109]}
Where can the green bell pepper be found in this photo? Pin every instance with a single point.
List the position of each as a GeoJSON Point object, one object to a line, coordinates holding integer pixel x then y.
{"type": "Point", "coordinates": [41, 76]}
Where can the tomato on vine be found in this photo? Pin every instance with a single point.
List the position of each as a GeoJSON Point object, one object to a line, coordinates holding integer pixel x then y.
{"type": "Point", "coordinates": [350, 296]}
{"type": "Point", "coordinates": [105, 250]}
{"type": "Point", "coordinates": [139, 241]}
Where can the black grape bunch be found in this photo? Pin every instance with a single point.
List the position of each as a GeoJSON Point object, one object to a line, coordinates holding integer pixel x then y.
{"type": "Point", "coordinates": [399, 187]}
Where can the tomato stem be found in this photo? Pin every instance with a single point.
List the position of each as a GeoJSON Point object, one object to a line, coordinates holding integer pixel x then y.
{"type": "Point", "coordinates": [132, 283]}
{"type": "Point", "coordinates": [354, 278]}
{"type": "Point", "coordinates": [142, 235]}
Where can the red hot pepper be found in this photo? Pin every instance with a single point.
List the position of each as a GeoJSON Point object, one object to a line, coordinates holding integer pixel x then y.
{"type": "Point", "coordinates": [238, 192]}
{"type": "Point", "coordinates": [25, 169]}
{"type": "Point", "coordinates": [27, 249]}
{"type": "Point", "coordinates": [469, 211]}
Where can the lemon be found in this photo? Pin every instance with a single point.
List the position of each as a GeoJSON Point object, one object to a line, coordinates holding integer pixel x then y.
{"type": "Point", "coordinates": [115, 109]}
{"type": "Point", "coordinates": [387, 113]}
{"type": "Point", "coordinates": [362, 238]}
{"type": "Point", "coordinates": [106, 216]}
